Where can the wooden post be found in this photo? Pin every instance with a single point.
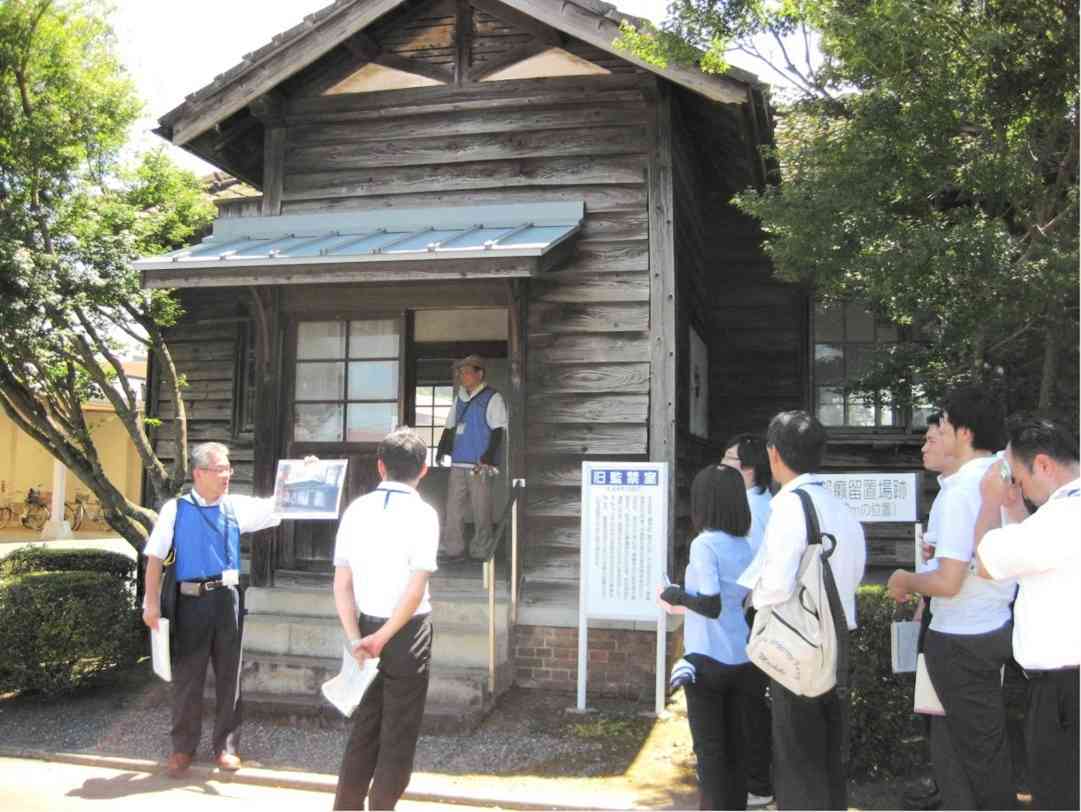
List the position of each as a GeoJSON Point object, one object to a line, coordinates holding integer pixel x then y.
{"type": "Point", "coordinates": [463, 41]}
{"type": "Point", "coordinates": [266, 310]}
{"type": "Point", "coordinates": [662, 295]}
{"type": "Point", "coordinates": [269, 110]}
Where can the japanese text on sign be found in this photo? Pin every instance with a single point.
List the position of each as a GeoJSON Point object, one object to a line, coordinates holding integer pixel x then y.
{"type": "Point", "coordinates": [875, 497]}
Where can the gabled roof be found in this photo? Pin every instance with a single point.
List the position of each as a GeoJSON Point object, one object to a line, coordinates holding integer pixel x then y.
{"type": "Point", "coordinates": [259, 72]}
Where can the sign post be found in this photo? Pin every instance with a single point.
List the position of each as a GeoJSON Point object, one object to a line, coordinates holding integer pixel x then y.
{"type": "Point", "coordinates": [874, 497]}
{"type": "Point", "coordinates": [624, 553]}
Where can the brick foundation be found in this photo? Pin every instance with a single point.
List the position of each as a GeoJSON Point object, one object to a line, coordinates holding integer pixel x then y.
{"type": "Point", "coordinates": [621, 661]}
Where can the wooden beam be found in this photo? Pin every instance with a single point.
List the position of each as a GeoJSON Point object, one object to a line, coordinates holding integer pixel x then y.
{"type": "Point", "coordinates": [202, 112]}
{"type": "Point", "coordinates": [463, 42]}
{"type": "Point", "coordinates": [601, 31]}
{"type": "Point", "coordinates": [662, 306]}
{"type": "Point", "coordinates": [426, 69]}
{"type": "Point", "coordinates": [511, 57]}
{"type": "Point", "coordinates": [539, 30]}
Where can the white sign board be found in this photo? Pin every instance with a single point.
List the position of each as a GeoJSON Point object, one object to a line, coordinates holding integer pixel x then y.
{"type": "Point", "coordinates": [624, 552]}
{"type": "Point", "coordinates": [876, 497]}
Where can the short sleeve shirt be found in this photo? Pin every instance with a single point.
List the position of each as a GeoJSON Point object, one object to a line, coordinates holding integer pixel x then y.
{"type": "Point", "coordinates": [980, 606]}
{"type": "Point", "coordinates": [384, 537]}
{"type": "Point", "coordinates": [1043, 554]}
{"type": "Point", "coordinates": [251, 513]}
{"type": "Point", "coordinates": [496, 414]}
{"type": "Point", "coordinates": [717, 559]}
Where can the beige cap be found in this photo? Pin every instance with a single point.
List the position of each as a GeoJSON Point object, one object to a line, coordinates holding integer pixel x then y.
{"type": "Point", "coordinates": [471, 361]}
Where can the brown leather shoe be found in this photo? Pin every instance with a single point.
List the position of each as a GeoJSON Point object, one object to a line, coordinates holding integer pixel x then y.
{"type": "Point", "coordinates": [177, 766]}
{"type": "Point", "coordinates": [228, 761]}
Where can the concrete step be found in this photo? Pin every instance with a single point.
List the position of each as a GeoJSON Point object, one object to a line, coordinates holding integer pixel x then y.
{"type": "Point", "coordinates": [453, 644]}
{"type": "Point", "coordinates": [305, 712]}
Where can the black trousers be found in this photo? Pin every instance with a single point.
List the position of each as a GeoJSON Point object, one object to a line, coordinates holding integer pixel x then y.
{"type": "Point", "coordinates": [207, 630]}
{"type": "Point", "coordinates": [757, 721]}
{"type": "Point", "coordinates": [969, 747]}
{"type": "Point", "coordinates": [386, 724]}
{"type": "Point", "coordinates": [1051, 737]}
{"type": "Point", "coordinates": [807, 768]}
{"type": "Point", "coordinates": [715, 712]}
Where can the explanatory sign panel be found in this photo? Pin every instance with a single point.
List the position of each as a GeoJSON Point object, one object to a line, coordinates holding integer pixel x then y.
{"type": "Point", "coordinates": [876, 497]}
{"type": "Point", "coordinates": [624, 538]}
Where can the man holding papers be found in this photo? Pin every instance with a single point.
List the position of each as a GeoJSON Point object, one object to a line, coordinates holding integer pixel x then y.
{"type": "Point", "coordinates": [204, 528]}
{"type": "Point", "coordinates": [384, 555]}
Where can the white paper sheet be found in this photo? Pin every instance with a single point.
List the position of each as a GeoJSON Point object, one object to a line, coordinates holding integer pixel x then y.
{"type": "Point", "coordinates": [159, 650]}
{"type": "Point", "coordinates": [347, 689]}
{"type": "Point", "coordinates": [904, 635]}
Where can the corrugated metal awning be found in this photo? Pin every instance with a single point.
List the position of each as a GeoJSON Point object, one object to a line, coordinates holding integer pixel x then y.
{"type": "Point", "coordinates": [513, 240]}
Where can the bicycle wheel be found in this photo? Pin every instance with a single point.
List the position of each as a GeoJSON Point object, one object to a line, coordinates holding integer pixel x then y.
{"type": "Point", "coordinates": [74, 515]}
{"type": "Point", "coordinates": [6, 515]}
{"type": "Point", "coordinates": [35, 517]}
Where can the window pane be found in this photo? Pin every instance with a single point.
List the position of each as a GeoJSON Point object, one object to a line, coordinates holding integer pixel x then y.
{"type": "Point", "coordinates": [861, 324]}
{"type": "Point", "coordinates": [441, 415]}
{"type": "Point", "coordinates": [859, 359]}
{"type": "Point", "coordinates": [370, 422]}
{"type": "Point", "coordinates": [423, 396]}
{"type": "Point", "coordinates": [829, 322]}
{"type": "Point", "coordinates": [425, 416]}
{"type": "Point", "coordinates": [318, 422]}
{"type": "Point", "coordinates": [373, 339]}
{"type": "Point", "coordinates": [859, 412]}
{"type": "Point", "coordinates": [829, 363]}
{"type": "Point", "coordinates": [321, 339]}
{"type": "Point", "coordinates": [886, 414]}
{"type": "Point", "coordinates": [831, 406]}
{"type": "Point", "coordinates": [316, 381]}
{"type": "Point", "coordinates": [373, 380]}
{"type": "Point", "coordinates": [444, 395]}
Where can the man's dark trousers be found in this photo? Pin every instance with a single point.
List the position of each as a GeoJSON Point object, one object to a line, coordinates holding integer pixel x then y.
{"type": "Point", "coordinates": [386, 724]}
{"type": "Point", "coordinates": [207, 629]}
{"type": "Point", "coordinates": [969, 746]}
{"type": "Point", "coordinates": [757, 723]}
{"type": "Point", "coordinates": [807, 768]}
{"type": "Point", "coordinates": [1051, 736]}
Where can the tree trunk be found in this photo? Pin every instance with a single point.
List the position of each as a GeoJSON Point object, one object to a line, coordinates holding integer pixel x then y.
{"type": "Point", "coordinates": [1047, 374]}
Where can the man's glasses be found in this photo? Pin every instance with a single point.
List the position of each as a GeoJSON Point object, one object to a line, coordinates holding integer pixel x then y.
{"type": "Point", "coordinates": [218, 469]}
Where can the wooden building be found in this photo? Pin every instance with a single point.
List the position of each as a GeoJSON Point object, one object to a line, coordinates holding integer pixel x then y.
{"type": "Point", "coordinates": [442, 177]}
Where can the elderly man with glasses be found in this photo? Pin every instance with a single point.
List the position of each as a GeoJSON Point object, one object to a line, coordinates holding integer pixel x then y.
{"type": "Point", "coordinates": [203, 528]}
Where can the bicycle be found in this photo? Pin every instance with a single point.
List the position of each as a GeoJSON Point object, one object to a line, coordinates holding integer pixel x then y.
{"type": "Point", "coordinates": [7, 513]}
{"type": "Point", "coordinates": [75, 511]}
{"type": "Point", "coordinates": [36, 510]}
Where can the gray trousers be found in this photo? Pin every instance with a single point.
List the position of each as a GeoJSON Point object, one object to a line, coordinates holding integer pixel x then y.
{"type": "Point", "coordinates": [467, 488]}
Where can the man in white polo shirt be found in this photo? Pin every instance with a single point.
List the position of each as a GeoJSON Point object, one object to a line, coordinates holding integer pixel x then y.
{"type": "Point", "coordinates": [384, 555]}
{"type": "Point", "coordinates": [968, 642]}
{"type": "Point", "coordinates": [1043, 553]}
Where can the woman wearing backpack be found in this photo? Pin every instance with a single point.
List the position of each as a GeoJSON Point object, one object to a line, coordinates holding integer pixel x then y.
{"type": "Point", "coordinates": [716, 675]}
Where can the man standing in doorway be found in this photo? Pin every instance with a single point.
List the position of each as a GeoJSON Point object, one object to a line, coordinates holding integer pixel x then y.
{"type": "Point", "coordinates": [474, 438]}
{"type": "Point", "coordinates": [203, 527]}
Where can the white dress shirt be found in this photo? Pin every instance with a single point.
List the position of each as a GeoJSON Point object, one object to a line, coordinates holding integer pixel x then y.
{"type": "Point", "coordinates": [384, 537]}
{"type": "Point", "coordinates": [772, 573]}
{"type": "Point", "coordinates": [251, 514]}
{"type": "Point", "coordinates": [759, 503]}
{"type": "Point", "coordinates": [1043, 554]}
{"type": "Point", "coordinates": [980, 606]}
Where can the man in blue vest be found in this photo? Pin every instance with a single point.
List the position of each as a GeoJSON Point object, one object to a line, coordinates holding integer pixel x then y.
{"type": "Point", "coordinates": [473, 437]}
{"type": "Point", "coordinates": [204, 527]}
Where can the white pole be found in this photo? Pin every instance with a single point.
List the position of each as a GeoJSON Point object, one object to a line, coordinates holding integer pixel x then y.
{"type": "Point", "coordinates": [57, 527]}
{"type": "Point", "coordinates": [583, 576]}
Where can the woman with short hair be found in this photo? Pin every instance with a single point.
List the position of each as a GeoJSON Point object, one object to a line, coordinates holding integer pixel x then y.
{"type": "Point", "coordinates": [715, 672]}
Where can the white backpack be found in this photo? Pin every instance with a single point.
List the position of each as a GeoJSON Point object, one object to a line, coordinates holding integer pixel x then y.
{"type": "Point", "coordinates": [803, 642]}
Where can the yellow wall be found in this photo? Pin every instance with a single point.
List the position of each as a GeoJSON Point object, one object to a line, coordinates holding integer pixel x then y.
{"type": "Point", "coordinates": [25, 464]}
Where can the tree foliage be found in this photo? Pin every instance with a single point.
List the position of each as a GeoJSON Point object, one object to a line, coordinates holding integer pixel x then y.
{"type": "Point", "coordinates": [929, 159]}
{"type": "Point", "coordinates": [71, 221]}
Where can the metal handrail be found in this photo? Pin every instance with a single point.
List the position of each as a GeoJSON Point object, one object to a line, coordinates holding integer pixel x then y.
{"type": "Point", "coordinates": [510, 516]}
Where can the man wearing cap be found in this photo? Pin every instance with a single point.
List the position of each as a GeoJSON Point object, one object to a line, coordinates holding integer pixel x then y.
{"type": "Point", "coordinates": [473, 437]}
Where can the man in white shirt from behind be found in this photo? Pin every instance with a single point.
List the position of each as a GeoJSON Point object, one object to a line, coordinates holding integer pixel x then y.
{"type": "Point", "coordinates": [808, 771]}
{"type": "Point", "coordinates": [968, 642]}
{"type": "Point", "coordinates": [384, 555]}
{"type": "Point", "coordinates": [747, 454]}
{"type": "Point", "coordinates": [1043, 553]}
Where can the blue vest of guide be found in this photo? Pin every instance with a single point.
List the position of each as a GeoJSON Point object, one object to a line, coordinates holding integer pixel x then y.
{"type": "Point", "coordinates": [206, 545]}
{"type": "Point", "coordinates": [471, 430]}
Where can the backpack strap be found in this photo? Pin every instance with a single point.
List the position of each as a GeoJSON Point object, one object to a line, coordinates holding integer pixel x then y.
{"type": "Point", "coordinates": [837, 610]}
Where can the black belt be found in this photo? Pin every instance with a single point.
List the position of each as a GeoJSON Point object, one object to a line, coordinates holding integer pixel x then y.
{"type": "Point", "coordinates": [196, 589]}
{"type": "Point", "coordinates": [1044, 673]}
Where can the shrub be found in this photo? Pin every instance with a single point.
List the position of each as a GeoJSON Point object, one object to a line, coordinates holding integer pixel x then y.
{"type": "Point", "coordinates": [43, 559]}
{"type": "Point", "coordinates": [882, 724]}
{"type": "Point", "coordinates": [59, 629]}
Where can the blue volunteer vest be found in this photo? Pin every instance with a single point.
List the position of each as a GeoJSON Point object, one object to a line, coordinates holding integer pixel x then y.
{"type": "Point", "coordinates": [206, 540]}
{"type": "Point", "coordinates": [471, 430]}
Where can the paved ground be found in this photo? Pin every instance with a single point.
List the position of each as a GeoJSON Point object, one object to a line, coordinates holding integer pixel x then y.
{"type": "Point", "coordinates": [29, 785]}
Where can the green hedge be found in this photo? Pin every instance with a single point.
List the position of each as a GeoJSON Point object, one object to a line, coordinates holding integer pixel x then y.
{"type": "Point", "coordinates": [884, 731]}
{"type": "Point", "coordinates": [60, 629]}
{"type": "Point", "coordinates": [43, 559]}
